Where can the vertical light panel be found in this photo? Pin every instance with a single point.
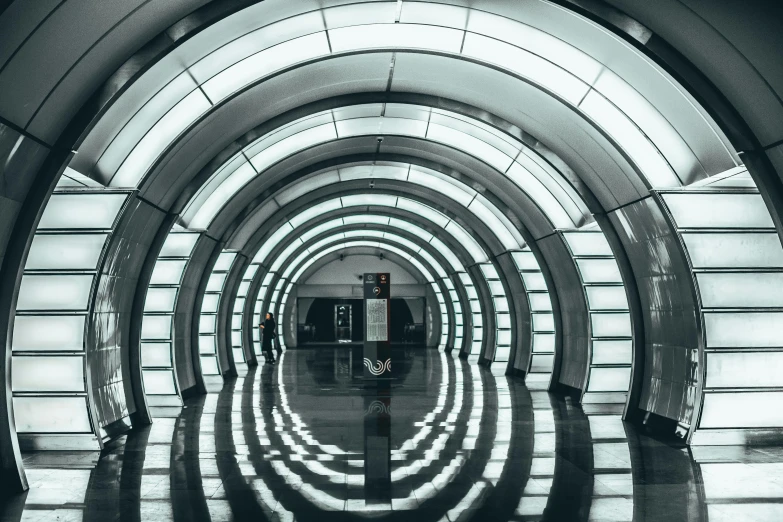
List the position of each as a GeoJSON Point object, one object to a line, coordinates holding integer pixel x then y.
{"type": "Point", "coordinates": [610, 325]}
{"type": "Point", "coordinates": [542, 351]}
{"type": "Point", "coordinates": [157, 347]}
{"type": "Point", "coordinates": [210, 362]}
{"type": "Point", "coordinates": [736, 260]}
{"type": "Point", "coordinates": [48, 367]}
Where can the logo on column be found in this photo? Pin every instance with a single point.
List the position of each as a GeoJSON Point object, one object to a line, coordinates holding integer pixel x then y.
{"type": "Point", "coordinates": [379, 367]}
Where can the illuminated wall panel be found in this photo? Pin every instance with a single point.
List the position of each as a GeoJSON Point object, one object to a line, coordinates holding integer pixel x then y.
{"type": "Point", "coordinates": [610, 341]}
{"type": "Point", "coordinates": [157, 330]}
{"type": "Point", "coordinates": [207, 328]}
{"type": "Point", "coordinates": [51, 393]}
{"type": "Point", "coordinates": [502, 348]}
{"type": "Point", "coordinates": [736, 258]}
{"type": "Point", "coordinates": [542, 322]}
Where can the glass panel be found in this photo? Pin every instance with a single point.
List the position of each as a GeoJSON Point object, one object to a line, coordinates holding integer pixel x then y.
{"type": "Point", "coordinates": [543, 323]}
{"type": "Point", "coordinates": [264, 63]}
{"type": "Point", "coordinates": [206, 344]}
{"type": "Point", "coordinates": [743, 329]}
{"type": "Point", "coordinates": [236, 338]}
{"type": "Point", "coordinates": [534, 281]}
{"type": "Point", "coordinates": [525, 260]}
{"type": "Point", "coordinates": [542, 363]}
{"type": "Point", "coordinates": [526, 64]}
{"type": "Point", "coordinates": [224, 261]}
{"type": "Point", "coordinates": [244, 286]}
{"type": "Point", "coordinates": [540, 302]}
{"type": "Point", "coordinates": [250, 272]}
{"type": "Point", "coordinates": [210, 303]}
{"type": "Point", "coordinates": [159, 382]}
{"type": "Point", "coordinates": [239, 305]}
{"type": "Point", "coordinates": [216, 282]}
{"type": "Point", "coordinates": [502, 353]}
{"type": "Point", "coordinates": [587, 243]}
{"type": "Point", "coordinates": [543, 342]}
{"type": "Point", "coordinates": [478, 320]}
{"type": "Point", "coordinates": [52, 332]}
{"type": "Point", "coordinates": [168, 271]}
{"type": "Point", "coordinates": [606, 297]}
{"type": "Point", "coordinates": [236, 322]}
{"type": "Point", "coordinates": [209, 366]}
{"type": "Point", "coordinates": [744, 370]}
{"type": "Point", "coordinates": [734, 250]}
{"type": "Point", "coordinates": [54, 292]}
{"type": "Point", "coordinates": [496, 288]}
{"type": "Point", "coordinates": [503, 338]}
{"type": "Point", "coordinates": [65, 251]}
{"type": "Point", "coordinates": [630, 138]}
{"type": "Point", "coordinates": [741, 290]}
{"type": "Point", "coordinates": [503, 320]}
{"type": "Point", "coordinates": [155, 354]}
{"type": "Point", "coordinates": [611, 325]}
{"type": "Point", "coordinates": [741, 410]}
{"type": "Point", "coordinates": [178, 245]}
{"type": "Point", "coordinates": [501, 304]}
{"type": "Point", "coordinates": [51, 415]}
{"type": "Point", "coordinates": [608, 351]}
{"type": "Point", "coordinates": [47, 373]}
{"type": "Point", "coordinates": [80, 211]}
{"type": "Point", "coordinates": [158, 137]}
{"type": "Point", "coordinates": [375, 36]}
{"type": "Point", "coordinates": [156, 327]}
{"type": "Point", "coordinates": [206, 323]}
{"type": "Point", "coordinates": [609, 379]}
{"type": "Point", "coordinates": [160, 300]}
{"type": "Point", "coordinates": [471, 291]}
{"type": "Point", "coordinates": [718, 210]}
{"type": "Point", "coordinates": [313, 212]}
{"type": "Point", "coordinates": [599, 270]}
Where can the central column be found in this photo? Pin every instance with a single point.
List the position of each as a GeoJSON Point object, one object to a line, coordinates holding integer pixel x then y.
{"type": "Point", "coordinates": [377, 396]}
{"type": "Point", "coordinates": [377, 346]}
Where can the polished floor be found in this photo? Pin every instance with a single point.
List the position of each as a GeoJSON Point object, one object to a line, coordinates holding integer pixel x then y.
{"type": "Point", "coordinates": [444, 440]}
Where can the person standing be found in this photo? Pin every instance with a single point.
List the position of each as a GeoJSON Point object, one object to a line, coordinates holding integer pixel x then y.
{"type": "Point", "coordinates": [268, 335]}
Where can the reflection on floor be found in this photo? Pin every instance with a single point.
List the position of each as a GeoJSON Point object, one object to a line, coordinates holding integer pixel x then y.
{"type": "Point", "coordinates": [446, 440]}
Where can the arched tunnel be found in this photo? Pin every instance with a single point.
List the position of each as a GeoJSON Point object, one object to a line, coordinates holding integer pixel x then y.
{"type": "Point", "coordinates": [578, 203]}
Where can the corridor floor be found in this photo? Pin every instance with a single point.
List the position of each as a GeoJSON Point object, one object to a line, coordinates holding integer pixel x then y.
{"type": "Point", "coordinates": [445, 440]}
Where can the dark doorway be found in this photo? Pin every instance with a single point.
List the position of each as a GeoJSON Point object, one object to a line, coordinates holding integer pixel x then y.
{"type": "Point", "coordinates": [321, 317]}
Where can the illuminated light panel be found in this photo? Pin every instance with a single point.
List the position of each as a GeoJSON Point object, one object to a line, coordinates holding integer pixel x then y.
{"type": "Point", "coordinates": [734, 250]}
{"type": "Point", "coordinates": [72, 251]}
{"type": "Point", "coordinates": [96, 211]}
{"type": "Point", "coordinates": [643, 153]}
{"type": "Point", "coordinates": [375, 36]}
{"type": "Point", "coordinates": [718, 210]}
{"type": "Point", "coordinates": [54, 292]}
{"type": "Point", "coordinates": [264, 63]}
{"type": "Point", "coordinates": [158, 137]}
{"type": "Point", "coordinates": [49, 333]}
{"type": "Point", "coordinates": [48, 373]}
{"type": "Point", "coordinates": [526, 65]}
{"type": "Point", "coordinates": [178, 245]}
{"type": "Point", "coordinates": [51, 415]}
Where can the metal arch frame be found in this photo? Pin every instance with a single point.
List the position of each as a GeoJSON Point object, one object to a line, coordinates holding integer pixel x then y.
{"type": "Point", "coordinates": [648, 50]}
{"type": "Point", "coordinates": [384, 244]}
{"type": "Point", "coordinates": [426, 199]}
{"type": "Point", "coordinates": [426, 225]}
{"type": "Point", "coordinates": [322, 58]}
{"type": "Point", "coordinates": [396, 233]}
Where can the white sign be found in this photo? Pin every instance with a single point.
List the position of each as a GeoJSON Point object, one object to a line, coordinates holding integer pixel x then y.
{"type": "Point", "coordinates": [377, 328]}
